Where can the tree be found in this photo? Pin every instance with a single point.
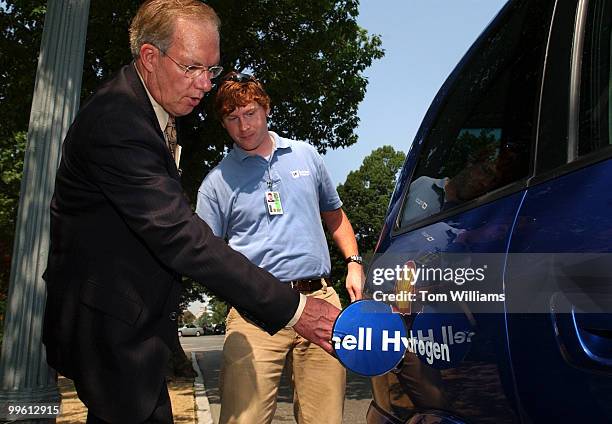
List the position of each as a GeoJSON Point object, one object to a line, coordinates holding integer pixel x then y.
{"type": "Point", "coordinates": [309, 54]}
{"type": "Point", "coordinates": [365, 195]}
{"type": "Point", "coordinates": [187, 317]}
{"type": "Point", "coordinates": [203, 321]}
{"type": "Point", "coordinates": [220, 310]}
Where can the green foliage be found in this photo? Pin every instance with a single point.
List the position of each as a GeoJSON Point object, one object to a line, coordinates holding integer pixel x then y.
{"type": "Point", "coordinates": [309, 54]}
{"type": "Point", "coordinates": [203, 321]}
{"type": "Point", "coordinates": [220, 310]}
{"type": "Point", "coordinates": [11, 165]}
{"type": "Point", "coordinates": [366, 194]}
{"type": "Point", "coordinates": [192, 291]}
{"type": "Point", "coordinates": [21, 24]}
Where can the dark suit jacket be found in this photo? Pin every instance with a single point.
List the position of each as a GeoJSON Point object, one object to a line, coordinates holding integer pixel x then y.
{"type": "Point", "coordinates": [122, 232]}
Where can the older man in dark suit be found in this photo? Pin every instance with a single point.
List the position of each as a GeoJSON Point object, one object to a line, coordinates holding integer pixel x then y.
{"type": "Point", "coordinates": [122, 232]}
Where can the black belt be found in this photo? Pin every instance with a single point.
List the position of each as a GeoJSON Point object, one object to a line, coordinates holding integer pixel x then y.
{"type": "Point", "coordinates": [309, 285]}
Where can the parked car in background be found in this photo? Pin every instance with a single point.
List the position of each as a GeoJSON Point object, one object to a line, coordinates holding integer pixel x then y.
{"type": "Point", "coordinates": [190, 330]}
{"type": "Point", "coordinates": [209, 329]}
{"type": "Point", "coordinates": [513, 164]}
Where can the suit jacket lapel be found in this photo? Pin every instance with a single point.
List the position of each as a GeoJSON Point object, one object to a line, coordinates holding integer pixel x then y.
{"type": "Point", "coordinates": [135, 85]}
{"type": "Point", "coordinates": [137, 88]}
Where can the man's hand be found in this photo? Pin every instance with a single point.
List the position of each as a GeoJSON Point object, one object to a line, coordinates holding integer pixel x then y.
{"type": "Point", "coordinates": [354, 281]}
{"type": "Point", "coordinates": [317, 321]}
{"type": "Point", "coordinates": [340, 228]}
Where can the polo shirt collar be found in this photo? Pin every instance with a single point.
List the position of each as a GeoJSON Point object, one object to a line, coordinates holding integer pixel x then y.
{"type": "Point", "coordinates": [441, 183]}
{"type": "Point", "coordinates": [279, 143]}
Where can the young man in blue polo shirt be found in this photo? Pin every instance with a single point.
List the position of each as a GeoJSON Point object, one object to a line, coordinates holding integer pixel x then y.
{"type": "Point", "coordinates": [267, 198]}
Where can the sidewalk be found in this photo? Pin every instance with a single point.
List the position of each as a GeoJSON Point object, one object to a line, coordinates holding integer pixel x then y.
{"type": "Point", "coordinates": [182, 395]}
{"type": "Point", "coordinates": [190, 404]}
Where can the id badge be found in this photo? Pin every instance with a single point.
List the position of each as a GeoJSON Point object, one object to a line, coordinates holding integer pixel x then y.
{"type": "Point", "coordinates": [273, 202]}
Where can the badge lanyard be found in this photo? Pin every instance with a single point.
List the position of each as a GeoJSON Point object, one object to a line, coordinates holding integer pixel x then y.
{"type": "Point", "coordinates": [272, 198]}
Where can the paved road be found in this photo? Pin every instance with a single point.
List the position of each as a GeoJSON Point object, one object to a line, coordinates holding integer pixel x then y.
{"type": "Point", "coordinates": [208, 354]}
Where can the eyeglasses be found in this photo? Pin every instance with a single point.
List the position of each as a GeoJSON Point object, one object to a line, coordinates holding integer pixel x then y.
{"type": "Point", "coordinates": [194, 71]}
{"type": "Point", "coordinates": [239, 77]}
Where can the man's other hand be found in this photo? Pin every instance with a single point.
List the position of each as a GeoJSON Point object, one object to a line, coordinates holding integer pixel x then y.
{"type": "Point", "coordinates": [316, 322]}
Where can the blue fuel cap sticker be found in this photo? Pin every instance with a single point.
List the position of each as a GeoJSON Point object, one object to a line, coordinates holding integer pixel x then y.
{"type": "Point", "coordinates": [368, 338]}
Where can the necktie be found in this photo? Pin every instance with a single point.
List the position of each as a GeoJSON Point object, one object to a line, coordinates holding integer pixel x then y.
{"type": "Point", "coordinates": [170, 133]}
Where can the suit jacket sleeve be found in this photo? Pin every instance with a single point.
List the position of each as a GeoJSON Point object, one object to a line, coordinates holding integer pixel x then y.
{"type": "Point", "coordinates": [127, 161]}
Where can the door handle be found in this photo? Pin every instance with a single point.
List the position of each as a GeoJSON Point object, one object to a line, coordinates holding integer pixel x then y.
{"type": "Point", "coordinates": [594, 333]}
{"type": "Point", "coordinates": [583, 329]}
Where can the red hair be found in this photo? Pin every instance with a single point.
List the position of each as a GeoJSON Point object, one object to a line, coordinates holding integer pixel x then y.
{"type": "Point", "coordinates": [232, 95]}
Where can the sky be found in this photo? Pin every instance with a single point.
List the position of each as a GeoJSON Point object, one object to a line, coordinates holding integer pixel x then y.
{"type": "Point", "coordinates": [423, 41]}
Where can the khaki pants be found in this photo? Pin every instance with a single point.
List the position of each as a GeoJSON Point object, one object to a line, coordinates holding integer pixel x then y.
{"type": "Point", "coordinates": [253, 362]}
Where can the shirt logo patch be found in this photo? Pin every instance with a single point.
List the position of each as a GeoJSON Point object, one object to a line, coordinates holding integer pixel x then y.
{"type": "Point", "coordinates": [300, 173]}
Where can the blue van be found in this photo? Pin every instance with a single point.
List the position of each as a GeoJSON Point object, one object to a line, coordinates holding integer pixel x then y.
{"type": "Point", "coordinates": [512, 168]}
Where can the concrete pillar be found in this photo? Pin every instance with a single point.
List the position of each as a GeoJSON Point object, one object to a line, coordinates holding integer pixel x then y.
{"type": "Point", "coordinates": [25, 377]}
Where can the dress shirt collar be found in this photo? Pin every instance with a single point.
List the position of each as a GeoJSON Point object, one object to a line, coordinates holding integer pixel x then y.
{"type": "Point", "coordinates": [160, 113]}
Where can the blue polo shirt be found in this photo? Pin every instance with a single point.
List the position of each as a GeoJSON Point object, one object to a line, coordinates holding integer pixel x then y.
{"type": "Point", "coordinates": [232, 201]}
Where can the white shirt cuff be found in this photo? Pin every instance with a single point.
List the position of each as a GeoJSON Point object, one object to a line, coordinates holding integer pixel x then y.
{"type": "Point", "coordinates": [298, 311]}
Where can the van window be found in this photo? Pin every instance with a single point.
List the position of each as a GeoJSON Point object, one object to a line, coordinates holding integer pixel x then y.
{"type": "Point", "coordinates": [483, 135]}
{"type": "Point", "coordinates": [595, 111]}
